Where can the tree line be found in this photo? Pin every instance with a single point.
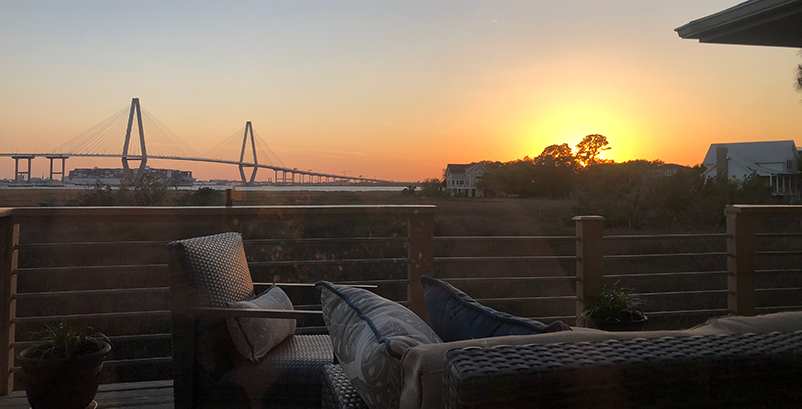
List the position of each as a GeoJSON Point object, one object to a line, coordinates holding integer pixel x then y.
{"type": "Point", "coordinates": [633, 193]}
{"type": "Point", "coordinates": [148, 190]}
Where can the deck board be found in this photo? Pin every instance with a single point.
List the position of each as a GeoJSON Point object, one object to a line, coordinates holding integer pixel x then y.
{"type": "Point", "coordinates": [143, 395]}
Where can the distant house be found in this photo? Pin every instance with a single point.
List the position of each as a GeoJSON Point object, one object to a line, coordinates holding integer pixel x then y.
{"type": "Point", "coordinates": [776, 161]}
{"type": "Point", "coordinates": [667, 169]}
{"type": "Point", "coordinates": [461, 180]}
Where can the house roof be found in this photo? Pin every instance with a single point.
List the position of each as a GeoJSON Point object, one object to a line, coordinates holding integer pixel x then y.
{"type": "Point", "coordinates": [754, 22]}
{"type": "Point", "coordinates": [671, 166]}
{"type": "Point", "coordinates": [757, 152]}
{"type": "Point", "coordinates": [457, 169]}
{"type": "Point", "coordinates": [752, 156]}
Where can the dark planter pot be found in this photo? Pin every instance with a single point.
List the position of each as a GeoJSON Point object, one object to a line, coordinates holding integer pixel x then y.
{"type": "Point", "coordinates": [619, 326]}
{"type": "Point", "coordinates": [61, 383]}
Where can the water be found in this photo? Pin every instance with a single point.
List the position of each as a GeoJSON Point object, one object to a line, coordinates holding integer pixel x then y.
{"type": "Point", "coordinates": [292, 188]}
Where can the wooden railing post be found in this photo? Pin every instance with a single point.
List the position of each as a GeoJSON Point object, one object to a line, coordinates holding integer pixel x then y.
{"type": "Point", "coordinates": [740, 262]}
{"type": "Point", "coordinates": [589, 260]}
{"type": "Point", "coordinates": [420, 230]}
{"type": "Point", "coordinates": [9, 239]}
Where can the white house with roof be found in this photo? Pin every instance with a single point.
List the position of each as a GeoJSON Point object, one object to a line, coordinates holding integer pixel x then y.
{"type": "Point", "coordinates": [776, 161]}
{"type": "Point", "coordinates": [461, 180]}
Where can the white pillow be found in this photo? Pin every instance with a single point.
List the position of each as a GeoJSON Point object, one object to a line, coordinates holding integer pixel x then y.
{"type": "Point", "coordinates": [254, 337]}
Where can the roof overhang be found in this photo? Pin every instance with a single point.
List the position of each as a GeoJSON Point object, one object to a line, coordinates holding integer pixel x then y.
{"type": "Point", "coordinates": [755, 22]}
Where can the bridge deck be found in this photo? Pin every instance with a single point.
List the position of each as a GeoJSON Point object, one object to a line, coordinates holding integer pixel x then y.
{"type": "Point", "coordinates": [142, 395]}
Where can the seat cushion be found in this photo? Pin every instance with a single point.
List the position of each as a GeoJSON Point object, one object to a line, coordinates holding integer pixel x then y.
{"type": "Point", "coordinates": [455, 316]}
{"type": "Point", "coordinates": [290, 375]}
{"type": "Point", "coordinates": [370, 334]}
{"type": "Point", "coordinates": [254, 337]}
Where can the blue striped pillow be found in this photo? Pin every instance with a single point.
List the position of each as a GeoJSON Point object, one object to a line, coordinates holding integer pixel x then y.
{"type": "Point", "coordinates": [455, 316]}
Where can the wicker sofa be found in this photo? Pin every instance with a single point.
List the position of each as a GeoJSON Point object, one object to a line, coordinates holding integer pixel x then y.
{"type": "Point", "coordinates": [580, 364]}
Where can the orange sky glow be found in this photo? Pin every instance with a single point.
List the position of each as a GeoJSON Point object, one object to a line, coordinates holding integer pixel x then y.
{"type": "Point", "coordinates": [391, 91]}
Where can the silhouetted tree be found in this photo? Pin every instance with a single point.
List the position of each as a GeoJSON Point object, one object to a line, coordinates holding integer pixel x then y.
{"type": "Point", "coordinates": [555, 171]}
{"type": "Point", "coordinates": [514, 177]}
{"type": "Point", "coordinates": [799, 78]}
{"type": "Point", "coordinates": [588, 150]}
{"type": "Point", "coordinates": [432, 187]}
{"type": "Point", "coordinates": [557, 155]}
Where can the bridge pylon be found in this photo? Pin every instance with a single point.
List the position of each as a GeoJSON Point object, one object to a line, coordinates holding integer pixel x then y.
{"type": "Point", "coordinates": [143, 159]}
{"type": "Point", "coordinates": [248, 134]}
{"type": "Point", "coordinates": [22, 175]}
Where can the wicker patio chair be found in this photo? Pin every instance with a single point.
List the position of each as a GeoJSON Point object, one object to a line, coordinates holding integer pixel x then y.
{"type": "Point", "coordinates": [205, 273]}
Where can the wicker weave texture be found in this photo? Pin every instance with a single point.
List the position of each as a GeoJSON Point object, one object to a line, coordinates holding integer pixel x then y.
{"type": "Point", "coordinates": [751, 370]}
{"type": "Point", "coordinates": [337, 390]}
{"type": "Point", "coordinates": [288, 376]}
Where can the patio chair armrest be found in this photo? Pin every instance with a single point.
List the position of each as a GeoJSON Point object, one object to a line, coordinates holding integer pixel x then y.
{"type": "Point", "coordinates": [216, 312]}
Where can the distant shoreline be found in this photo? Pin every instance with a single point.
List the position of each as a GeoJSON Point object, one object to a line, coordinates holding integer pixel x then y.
{"type": "Point", "coordinates": [290, 188]}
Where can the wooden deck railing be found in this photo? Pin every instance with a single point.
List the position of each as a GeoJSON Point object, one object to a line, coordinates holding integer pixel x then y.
{"type": "Point", "coordinates": [106, 267]}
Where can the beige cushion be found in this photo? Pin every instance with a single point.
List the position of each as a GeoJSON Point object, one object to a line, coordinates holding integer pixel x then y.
{"type": "Point", "coordinates": [422, 365]}
{"type": "Point", "coordinates": [761, 324]}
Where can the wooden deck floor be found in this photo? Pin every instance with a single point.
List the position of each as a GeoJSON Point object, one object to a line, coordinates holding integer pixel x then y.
{"type": "Point", "coordinates": [142, 395]}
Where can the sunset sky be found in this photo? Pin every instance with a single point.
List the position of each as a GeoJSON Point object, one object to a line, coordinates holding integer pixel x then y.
{"type": "Point", "coordinates": [392, 90]}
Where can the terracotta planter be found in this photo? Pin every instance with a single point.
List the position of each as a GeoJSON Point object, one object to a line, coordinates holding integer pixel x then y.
{"type": "Point", "coordinates": [61, 383]}
{"type": "Point", "coordinates": [618, 326]}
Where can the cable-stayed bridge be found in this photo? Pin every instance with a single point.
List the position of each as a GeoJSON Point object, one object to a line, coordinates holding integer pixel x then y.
{"type": "Point", "coordinates": [135, 135]}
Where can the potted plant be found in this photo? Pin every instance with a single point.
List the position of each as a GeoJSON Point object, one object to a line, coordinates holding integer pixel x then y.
{"type": "Point", "coordinates": [614, 310]}
{"type": "Point", "coordinates": [62, 370]}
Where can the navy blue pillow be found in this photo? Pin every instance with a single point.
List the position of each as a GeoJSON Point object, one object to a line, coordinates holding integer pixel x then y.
{"type": "Point", "coordinates": [455, 316]}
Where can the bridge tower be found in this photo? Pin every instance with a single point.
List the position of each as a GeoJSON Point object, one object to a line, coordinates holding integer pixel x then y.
{"type": "Point", "coordinates": [248, 133]}
{"type": "Point", "coordinates": [24, 175]}
{"type": "Point", "coordinates": [143, 159]}
{"type": "Point", "coordinates": [63, 165]}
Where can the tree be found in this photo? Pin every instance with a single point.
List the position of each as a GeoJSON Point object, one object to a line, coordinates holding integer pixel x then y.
{"type": "Point", "coordinates": [558, 156]}
{"type": "Point", "coordinates": [799, 78]}
{"type": "Point", "coordinates": [589, 149]}
{"type": "Point", "coordinates": [432, 187]}
{"type": "Point", "coordinates": [555, 171]}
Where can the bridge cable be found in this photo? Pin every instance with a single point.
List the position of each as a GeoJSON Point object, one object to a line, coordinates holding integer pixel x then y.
{"type": "Point", "coordinates": [263, 146]}
{"type": "Point", "coordinates": [168, 139]}
{"type": "Point", "coordinates": [228, 149]}
{"type": "Point", "coordinates": [89, 144]}
{"type": "Point", "coordinates": [77, 144]}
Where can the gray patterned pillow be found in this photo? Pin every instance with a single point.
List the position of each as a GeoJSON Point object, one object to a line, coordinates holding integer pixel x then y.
{"type": "Point", "coordinates": [369, 335]}
{"type": "Point", "coordinates": [255, 337]}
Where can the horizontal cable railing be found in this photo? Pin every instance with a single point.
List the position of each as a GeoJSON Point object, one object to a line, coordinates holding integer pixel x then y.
{"type": "Point", "coordinates": [321, 240]}
{"type": "Point", "coordinates": [502, 258]}
{"type": "Point", "coordinates": [667, 236]}
{"type": "Point", "coordinates": [49, 286]}
{"type": "Point", "coordinates": [669, 280]}
{"type": "Point", "coordinates": [636, 256]}
{"type": "Point", "coordinates": [672, 274]}
{"type": "Point", "coordinates": [544, 277]}
{"type": "Point", "coordinates": [501, 238]}
{"type": "Point", "coordinates": [513, 279]}
{"type": "Point", "coordinates": [501, 281]}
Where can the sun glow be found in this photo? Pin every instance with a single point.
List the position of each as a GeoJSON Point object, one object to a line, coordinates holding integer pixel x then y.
{"type": "Point", "coordinates": [570, 124]}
